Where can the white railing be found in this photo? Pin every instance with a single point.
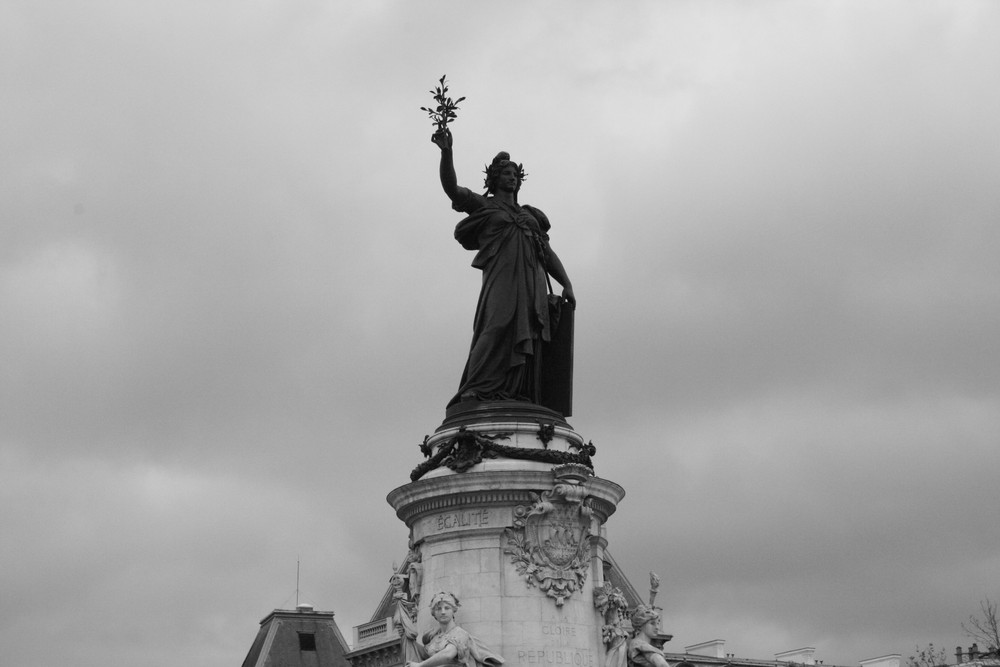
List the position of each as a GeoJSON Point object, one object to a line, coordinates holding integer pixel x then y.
{"type": "Point", "coordinates": [374, 633]}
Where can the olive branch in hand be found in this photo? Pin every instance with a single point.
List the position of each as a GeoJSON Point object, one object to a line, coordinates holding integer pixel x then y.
{"type": "Point", "coordinates": [446, 108]}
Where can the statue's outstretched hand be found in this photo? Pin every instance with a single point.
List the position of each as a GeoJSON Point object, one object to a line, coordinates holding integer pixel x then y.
{"type": "Point", "coordinates": [443, 139]}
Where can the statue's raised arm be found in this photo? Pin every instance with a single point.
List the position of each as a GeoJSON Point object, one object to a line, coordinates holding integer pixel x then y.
{"type": "Point", "coordinates": [449, 181]}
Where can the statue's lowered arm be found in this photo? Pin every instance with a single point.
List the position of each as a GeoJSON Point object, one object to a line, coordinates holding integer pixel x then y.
{"type": "Point", "coordinates": [556, 270]}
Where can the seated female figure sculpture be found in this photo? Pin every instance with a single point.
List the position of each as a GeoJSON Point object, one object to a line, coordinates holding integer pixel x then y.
{"type": "Point", "coordinates": [641, 652]}
{"type": "Point", "coordinates": [448, 644]}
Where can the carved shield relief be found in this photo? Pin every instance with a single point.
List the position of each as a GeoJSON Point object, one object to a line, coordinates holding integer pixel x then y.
{"type": "Point", "coordinates": [549, 543]}
{"type": "Point", "coordinates": [558, 534]}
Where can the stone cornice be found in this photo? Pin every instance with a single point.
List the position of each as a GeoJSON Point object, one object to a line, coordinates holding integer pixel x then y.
{"type": "Point", "coordinates": [496, 487]}
{"type": "Point", "coordinates": [572, 438]}
{"type": "Point", "coordinates": [460, 500]}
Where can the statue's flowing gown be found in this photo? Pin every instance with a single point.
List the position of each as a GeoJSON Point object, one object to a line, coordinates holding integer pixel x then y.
{"type": "Point", "coordinates": [512, 316]}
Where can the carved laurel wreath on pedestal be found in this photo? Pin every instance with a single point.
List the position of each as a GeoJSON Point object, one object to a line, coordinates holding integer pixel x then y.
{"type": "Point", "coordinates": [467, 448]}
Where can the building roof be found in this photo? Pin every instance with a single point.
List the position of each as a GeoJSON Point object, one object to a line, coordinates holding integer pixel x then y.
{"type": "Point", "coordinates": [298, 638]}
{"type": "Point", "coordinates": [614, 575]}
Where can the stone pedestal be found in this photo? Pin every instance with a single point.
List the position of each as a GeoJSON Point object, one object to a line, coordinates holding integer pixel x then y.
{"type": "Point", "coordinates": [520, 541]}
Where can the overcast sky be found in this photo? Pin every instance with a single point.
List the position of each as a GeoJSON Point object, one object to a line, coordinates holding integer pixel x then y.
{"type": "Point", "coordinates": [232, 306]}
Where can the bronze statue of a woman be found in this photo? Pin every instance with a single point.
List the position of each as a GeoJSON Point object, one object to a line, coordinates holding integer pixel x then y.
{"type": "Point", "coordinates": [512, 321]}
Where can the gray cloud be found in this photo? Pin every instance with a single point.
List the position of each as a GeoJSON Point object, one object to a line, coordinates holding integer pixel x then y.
{"type": "Point", "coordinates": [232, 306]}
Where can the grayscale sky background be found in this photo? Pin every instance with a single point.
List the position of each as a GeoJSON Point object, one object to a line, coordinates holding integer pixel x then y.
{"type": "Point", "coordinates": [232, 306]}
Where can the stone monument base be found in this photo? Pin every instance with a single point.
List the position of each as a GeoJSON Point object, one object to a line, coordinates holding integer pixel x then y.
{"type": "Point", "coordinates": [520, 539]}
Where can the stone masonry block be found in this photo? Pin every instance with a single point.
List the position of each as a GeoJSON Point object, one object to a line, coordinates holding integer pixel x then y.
{"type": "Point", "coordinates": [461, 562]}
{"type": "Point", "coordinates": [489, 560]}
{"type": "Point", "coordinates": [480, 584]}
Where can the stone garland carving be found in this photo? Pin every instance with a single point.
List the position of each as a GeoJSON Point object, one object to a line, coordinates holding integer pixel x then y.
{"type": "Point", "coordinates": [467, 448]}
{"type": "Point", "coordinates": [611, 603]}
{"type": "Point", "coordinates": [549, 543]}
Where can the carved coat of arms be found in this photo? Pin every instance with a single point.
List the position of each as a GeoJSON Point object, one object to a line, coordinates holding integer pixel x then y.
{"type": "Point", "coordinates": [549, 543]}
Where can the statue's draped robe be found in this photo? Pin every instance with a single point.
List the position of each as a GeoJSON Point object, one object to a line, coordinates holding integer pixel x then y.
{"type": "Point", "coordinates": [512, 316]}
{"type": "Point", "coordinates": [471, 652]}
{"type": "Point", "coordinates": [403, 619]}
{"type": "Point", "coordinates": [640, 652]}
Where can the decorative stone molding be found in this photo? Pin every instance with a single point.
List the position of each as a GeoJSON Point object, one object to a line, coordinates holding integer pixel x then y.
{"type": "Point", "coordinates": [495, 490]}
{"type": "Point", "coordinates": [546, 432]}
{"type": "Point", "coordinates": [381, 656]}
{"type": "Point", "coordinates": [490, 497]}
{"type": "Point", "coordinates": [549, 543]}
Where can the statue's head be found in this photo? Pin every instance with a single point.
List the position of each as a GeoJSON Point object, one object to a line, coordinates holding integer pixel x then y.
{"type": "Point", "coordinates": [643, 615]}
{"type": "Point", "coordinates": [444, 598]}
{"type": "Point", "coordinates": [494, 170]}
{"type": "Point", "coordinates": [443, 608]}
